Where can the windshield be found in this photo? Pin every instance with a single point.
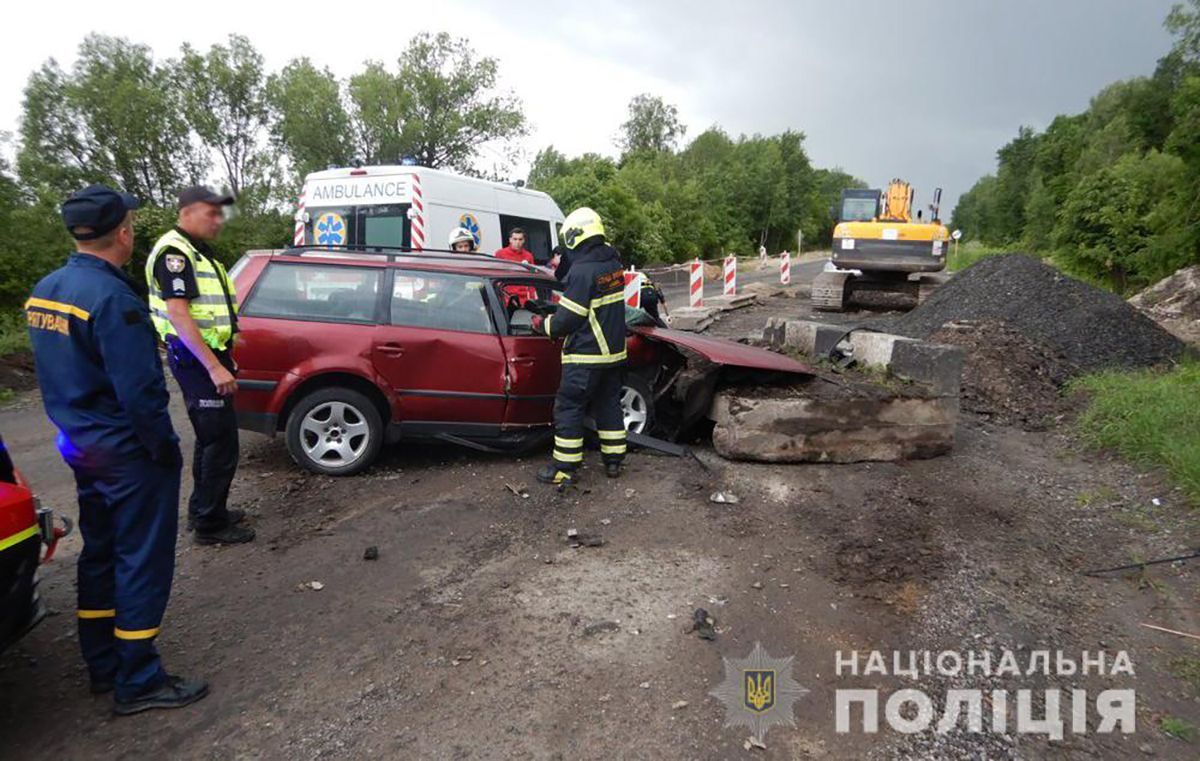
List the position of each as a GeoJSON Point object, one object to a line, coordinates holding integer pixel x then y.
{"type": "Point", "coordinates": [858, 209]}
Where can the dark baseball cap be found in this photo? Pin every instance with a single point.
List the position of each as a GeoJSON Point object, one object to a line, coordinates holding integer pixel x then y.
{"type": "Point", "coordinates": [98, 208]}
{"type": "Point", "coordinates": [201, 194]}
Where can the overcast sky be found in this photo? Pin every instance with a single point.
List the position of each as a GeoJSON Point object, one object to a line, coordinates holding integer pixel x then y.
{"type": "Point", "coordinates": [919, 89]}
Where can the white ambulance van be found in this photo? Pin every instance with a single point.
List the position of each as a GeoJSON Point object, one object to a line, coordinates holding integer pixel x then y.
{"type": "Point", "coordinates": [415, 207]}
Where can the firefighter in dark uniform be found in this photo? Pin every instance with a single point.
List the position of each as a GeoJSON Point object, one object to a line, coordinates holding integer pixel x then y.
{"type": "Point", "coordinates": [653, 301]}
{"type": "Point", "coordinates": [591, 316]}
{"type": "Point", "coordinates": [194, 308]}
{"type": "Point", "coordinates": [103, 387]}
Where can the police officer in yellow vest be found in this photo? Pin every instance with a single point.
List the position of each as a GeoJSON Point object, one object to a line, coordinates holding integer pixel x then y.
{"type": "Point", "coordinates": [194, 308]}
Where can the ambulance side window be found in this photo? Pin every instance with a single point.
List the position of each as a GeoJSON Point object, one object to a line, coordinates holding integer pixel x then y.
{"type": "Point", "coordinates": [537, 235]}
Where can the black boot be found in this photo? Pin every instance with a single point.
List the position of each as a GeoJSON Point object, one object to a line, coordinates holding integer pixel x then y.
{"type": "Point", "coordinates": [612, 469]}
{"type": "Point", "coordinates": [235, 517]}
{"type": "Point", "coordinates": [231, 534]}
{"type": "Point", "coordinates": [176, 692]}
{"type": "Point", "coordinates": [555, 476]}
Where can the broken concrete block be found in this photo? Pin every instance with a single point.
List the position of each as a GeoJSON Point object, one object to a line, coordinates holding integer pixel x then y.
{"type": "Point", "coordinates": [694, 319]}
{"type": "Point", "coordinates": [832, 428]}
{"type": "Point", "coordinates": [936, 366]}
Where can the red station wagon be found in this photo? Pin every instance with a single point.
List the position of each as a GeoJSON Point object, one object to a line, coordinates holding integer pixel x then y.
{"type": "Point", "coordinates": [344, 351]}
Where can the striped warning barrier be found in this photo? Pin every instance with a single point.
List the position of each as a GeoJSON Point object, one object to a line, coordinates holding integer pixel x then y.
{"type": "Point", "coordinates": [785, 268]}
{"type": "Point", "coordinates": [731, 275]}
{"type": "Point", "coordinates": [418, 220]}
{"type": "Point", "coordinates": [696, 288]}
{"type": "Point", "coordinates": [633, 288]}
{"type": "Point", "coordinates": [298, 237]}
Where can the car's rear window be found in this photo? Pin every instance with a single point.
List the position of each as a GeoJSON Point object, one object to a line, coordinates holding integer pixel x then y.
{"type": "Point", "coordinates": [324, 292]}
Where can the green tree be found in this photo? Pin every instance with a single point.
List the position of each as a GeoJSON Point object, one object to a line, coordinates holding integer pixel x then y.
{"type": "Point", "coordinates": [309, 123]}
{"type": "Point", "coordinates": [1119, 224]}
{"type": "Point", "coordinates": [653, 126]}
{"type": "Point", "coordinates": [224, 93]}
{"type": "Point", "coordinates": [116, 118]}
{"type": "Point", "coordinates": [439, 107]}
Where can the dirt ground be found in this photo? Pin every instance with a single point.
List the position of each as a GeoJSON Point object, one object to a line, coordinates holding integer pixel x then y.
{"type": "Point", "coordinates": [480, 633]}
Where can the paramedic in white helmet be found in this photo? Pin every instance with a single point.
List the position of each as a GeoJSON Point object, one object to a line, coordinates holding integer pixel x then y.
{"type": "Point", "coordinates": [461, 241]}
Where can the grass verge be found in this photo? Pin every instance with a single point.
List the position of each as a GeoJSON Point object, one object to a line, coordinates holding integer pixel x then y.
{"type": "Point", "coordinates": [964, 255]}
{"type": "Point", "coordinates": [1150, 417]}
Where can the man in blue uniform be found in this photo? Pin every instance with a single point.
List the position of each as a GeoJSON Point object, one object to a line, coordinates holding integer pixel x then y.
{"type": "Point", "coordinates": [591, 316]}
{"type": "Point", "coordinates": [102, 386]}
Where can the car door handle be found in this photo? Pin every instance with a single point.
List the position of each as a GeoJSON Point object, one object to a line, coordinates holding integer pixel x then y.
{"type": "Point", "coordinates": [523, 359]}
{"type": "Point", "coordinates": [391, 350]}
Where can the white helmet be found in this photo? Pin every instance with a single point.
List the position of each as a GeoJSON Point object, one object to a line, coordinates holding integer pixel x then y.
{"type": "Point", "coordinates": [458, 235]}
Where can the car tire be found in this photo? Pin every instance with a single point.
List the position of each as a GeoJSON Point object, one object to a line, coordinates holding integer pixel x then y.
{"type": "Point", "coordinates": [335, 432]}
{"type": "Point", "coordinates": [637, 403]}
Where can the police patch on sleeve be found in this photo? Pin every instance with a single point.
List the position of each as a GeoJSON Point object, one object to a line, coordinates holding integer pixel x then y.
{"type": "Point", "coordinates": [175, 263]}
{"type": "Point", "coordinates": [178, 286]}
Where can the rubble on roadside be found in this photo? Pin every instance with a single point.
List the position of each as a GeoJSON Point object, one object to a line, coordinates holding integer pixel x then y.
{"type": "Point", "coordinates": [1174, 303]}
{"type": "Point", "coordinates": [1090, 328]}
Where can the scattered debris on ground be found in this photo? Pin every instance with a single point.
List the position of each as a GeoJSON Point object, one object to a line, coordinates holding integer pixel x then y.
{"type": "Point", "coordinates": [1174, 303]}
{"type": "Point", "coordinates": [704, 624]}
{"type": "Point", "coordinates": [371, 553]}
{"type": "Point", "coordinates": [1008, 377]}
{"type": "Point", "coordinates": [1092, 329]}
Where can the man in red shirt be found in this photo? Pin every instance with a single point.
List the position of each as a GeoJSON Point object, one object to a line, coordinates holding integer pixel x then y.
{"type": "Point", "coordinates": [515, 251]}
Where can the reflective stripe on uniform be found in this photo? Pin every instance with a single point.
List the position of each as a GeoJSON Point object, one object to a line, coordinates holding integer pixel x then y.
{"type": "Point", "coordinates": [567, 443]}
{"type": "Point", "coordinates": [136, 633]}
{"type": "Point", "coordinates": [611, 435]}
{"type": "Point", "coordinates": [598, 332]}
{"type": "Point", "coordinates": [107, 613]}
{"type": "Point", "coordinates": [612, 298]}
{"type": "Point", "coordinates": [18, 537]}
{"type": "Point", "coordinates": [561, 456]}
{"type": "Point", "coordinates": [594, 359]}
{"type": "Point", "coordinates": [58, 306]}
{"type": "Point", "coordinates": [613, 448]}
{"type": "Point", "coordinates": [578, 309]}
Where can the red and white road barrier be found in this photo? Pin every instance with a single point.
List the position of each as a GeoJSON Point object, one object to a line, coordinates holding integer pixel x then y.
{"type": "Point", "coordinates": [418, 219]}
{"type": "Point", "coordinates": [731, 275]}
{"type": "Point", "coordinates": [298, 237]}
{"type": "Point", "coordinates": [696, 286]}
{"type": "Point", "coordinates": [633, 288]}
{"type": "Point", "coordinates": [785, 268]}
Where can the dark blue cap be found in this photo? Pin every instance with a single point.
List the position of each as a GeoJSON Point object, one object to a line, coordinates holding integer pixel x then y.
{"type": "Point", "coordinates": [98, 208]}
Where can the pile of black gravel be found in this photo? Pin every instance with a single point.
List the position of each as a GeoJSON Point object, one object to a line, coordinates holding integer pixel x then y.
{"type": "Point", "coordinates": [1090, 328]}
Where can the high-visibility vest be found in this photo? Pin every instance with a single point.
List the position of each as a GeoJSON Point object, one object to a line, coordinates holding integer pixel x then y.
{"type": "Point", "coordinates": [210, 309]}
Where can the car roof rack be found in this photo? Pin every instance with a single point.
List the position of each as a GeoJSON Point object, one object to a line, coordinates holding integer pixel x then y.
{"type": "Point", "coordinates": [395, 253]}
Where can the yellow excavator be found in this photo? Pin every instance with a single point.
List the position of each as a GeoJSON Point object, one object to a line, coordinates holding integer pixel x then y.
{"type": "Point", "coordinates": [882, 256]}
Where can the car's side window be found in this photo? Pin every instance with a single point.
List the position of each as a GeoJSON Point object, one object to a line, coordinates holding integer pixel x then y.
{"type": "Point", "coordinates": [535, 298]}
{"type": "Point", "coordinates": [441, 301]}
{"type": "Point", "coordinates": [326, 292]}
